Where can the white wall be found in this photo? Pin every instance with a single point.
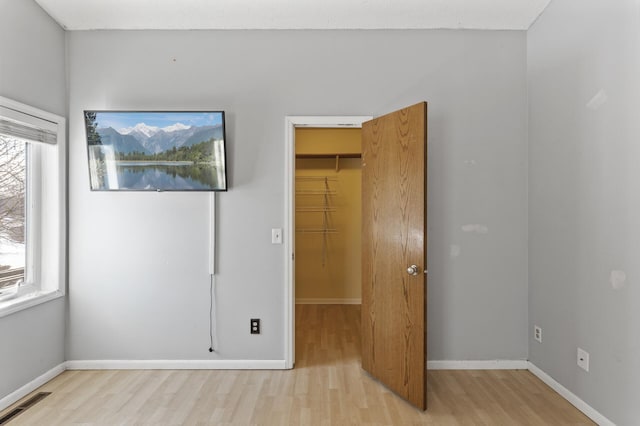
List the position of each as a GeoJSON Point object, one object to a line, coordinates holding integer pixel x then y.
{"type": "Point", "coordinates": [32, 71]}
{"type": "Point", "coordinates": [583, 65]}
{"type": "Point", "coordinates": [138, 261]}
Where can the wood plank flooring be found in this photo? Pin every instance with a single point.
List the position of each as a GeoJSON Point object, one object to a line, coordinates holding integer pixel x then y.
{"type": "Point", "coordinates": [327, 387]}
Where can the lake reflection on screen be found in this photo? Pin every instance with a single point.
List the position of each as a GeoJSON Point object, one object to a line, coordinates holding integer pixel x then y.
{"type": "Point", "coordinates": [167, 176]}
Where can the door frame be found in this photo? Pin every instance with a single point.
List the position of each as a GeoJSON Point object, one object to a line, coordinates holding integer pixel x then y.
{"type": "Point", "coordinates": [291, 123]}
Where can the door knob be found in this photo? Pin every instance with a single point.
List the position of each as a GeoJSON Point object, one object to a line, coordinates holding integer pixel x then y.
{"type": "Point", "coordinates": [412, 270]}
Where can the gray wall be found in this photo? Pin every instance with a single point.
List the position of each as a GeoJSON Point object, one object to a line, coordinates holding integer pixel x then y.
{"type": "Point", "coordinates": [32, 71]}
{"type": "Point", "coordinates": [584, 199]}
{"type": "Point", "coordinates": [138, 261]}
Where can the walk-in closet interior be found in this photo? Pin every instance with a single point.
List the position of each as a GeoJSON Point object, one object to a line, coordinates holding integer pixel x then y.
{"type": "Point", "coordinates": [328, 215]}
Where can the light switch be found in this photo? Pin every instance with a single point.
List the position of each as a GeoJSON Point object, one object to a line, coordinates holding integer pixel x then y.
{"type": "Point", "coordinates": [276, 236]}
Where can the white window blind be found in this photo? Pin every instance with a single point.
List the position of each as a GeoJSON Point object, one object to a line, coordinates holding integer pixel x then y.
{"type": "Point", "coordinates": [27, 127]}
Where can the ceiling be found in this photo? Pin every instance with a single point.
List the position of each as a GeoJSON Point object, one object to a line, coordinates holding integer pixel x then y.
{"type": "Point", "coordinates": [294, 14]}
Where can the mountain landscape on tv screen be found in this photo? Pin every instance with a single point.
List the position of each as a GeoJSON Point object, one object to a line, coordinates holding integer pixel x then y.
{"type": "Point", "coordinates": [156, 151]}
{"type": "Point", "coordinates": [154, 140]}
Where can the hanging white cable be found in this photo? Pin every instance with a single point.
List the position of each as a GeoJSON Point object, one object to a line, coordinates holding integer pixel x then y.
{"type": "Point", "coordinates": [213, 336]}
{"type": "Point", "coordinates": [212, 233]}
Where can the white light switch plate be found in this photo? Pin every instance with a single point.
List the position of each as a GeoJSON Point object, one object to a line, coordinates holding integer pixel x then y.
{"type": "Point", "coordinates": [276, 236]}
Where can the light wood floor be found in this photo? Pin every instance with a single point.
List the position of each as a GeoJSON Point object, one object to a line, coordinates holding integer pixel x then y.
{"type": "Point", "coordinates": [327, 387]}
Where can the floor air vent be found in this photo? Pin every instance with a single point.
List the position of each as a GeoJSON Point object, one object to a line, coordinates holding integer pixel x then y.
{"type": "Point", "coordinates": [23, 407]}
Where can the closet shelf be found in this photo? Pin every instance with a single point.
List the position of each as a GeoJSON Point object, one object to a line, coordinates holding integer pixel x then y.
{"type": "Point", "coordinates": [314, 192]}
{"type": "Point", "coordinates": [316, 209]}
{"type": "Point", "coordinates": [336, 156]}
{"type": "Point", "coordinates": [317, 178]}
{"type": "Point", "coordinates": [317, 230]}
{"type": "Point", "coordinates": [344, 155]}
{"type": "Point", "coordinates": [325, 192]}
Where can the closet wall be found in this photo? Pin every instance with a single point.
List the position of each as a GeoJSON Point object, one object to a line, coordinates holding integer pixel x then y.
{"type": "Point", "coordinates": [328, 206]}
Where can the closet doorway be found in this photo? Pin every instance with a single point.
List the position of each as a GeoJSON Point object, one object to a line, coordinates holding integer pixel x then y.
{"type": "Point", "coordinates": [323, 223]}
{"type": "Point", "coordinates": [328, 223]}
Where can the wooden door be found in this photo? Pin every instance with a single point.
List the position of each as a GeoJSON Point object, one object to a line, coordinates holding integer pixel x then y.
{"type": "Point", "coordinates": [394, 155]}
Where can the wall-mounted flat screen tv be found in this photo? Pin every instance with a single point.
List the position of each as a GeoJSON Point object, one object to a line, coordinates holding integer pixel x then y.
{"type": "Point", "coordinates": [156, 150]}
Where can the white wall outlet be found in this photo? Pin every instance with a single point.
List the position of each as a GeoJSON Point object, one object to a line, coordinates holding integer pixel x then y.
{"type": "Point", "coordinates": [537, 333]}
{"type": "Point", "coordinates": [276, 236]}
{"type": "Point", "coordinates": [583, 359]}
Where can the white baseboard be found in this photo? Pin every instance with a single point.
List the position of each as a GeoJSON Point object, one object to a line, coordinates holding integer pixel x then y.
{"type": "Point", "coordinates": [25, 390]}
{"type": "Point", "coordinates": [588, 410]}
{"type": "Point", "coordinates": [497, 364]}
{"type": "Point", "coordinates": [353, 301]}
{"type": "Point", "coordinates": [215, 364]}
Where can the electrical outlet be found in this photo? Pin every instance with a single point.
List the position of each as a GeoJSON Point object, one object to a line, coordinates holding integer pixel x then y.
{"type": "Point", "coordinates": [255, 325]}
{"type": "Point", "coordinates": [583, 359]}
{"type": "Point", "coordinates": [537, 333]}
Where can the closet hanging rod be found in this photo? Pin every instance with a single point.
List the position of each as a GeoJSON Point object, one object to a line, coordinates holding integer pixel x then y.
{"type": "Point", "coordinates": [317, 231]}
{"type": "Point", "coordinates": [315, 192]}
{"type": "Point", "coordinates": [317, 178]}
{"type": "Point", "coordinates": [345, 155]}
{"type": "Point", "coordinates": [316, 209]}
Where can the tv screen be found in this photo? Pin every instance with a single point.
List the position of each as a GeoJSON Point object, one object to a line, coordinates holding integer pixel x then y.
{"type": "Point", "coordinates": [156, 150]}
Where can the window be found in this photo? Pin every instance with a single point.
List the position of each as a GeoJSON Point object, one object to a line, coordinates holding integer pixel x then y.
{"type": "Point", "coordinates": [32, 215]}
{"type": "Point", "coordinates": [13, 212]}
